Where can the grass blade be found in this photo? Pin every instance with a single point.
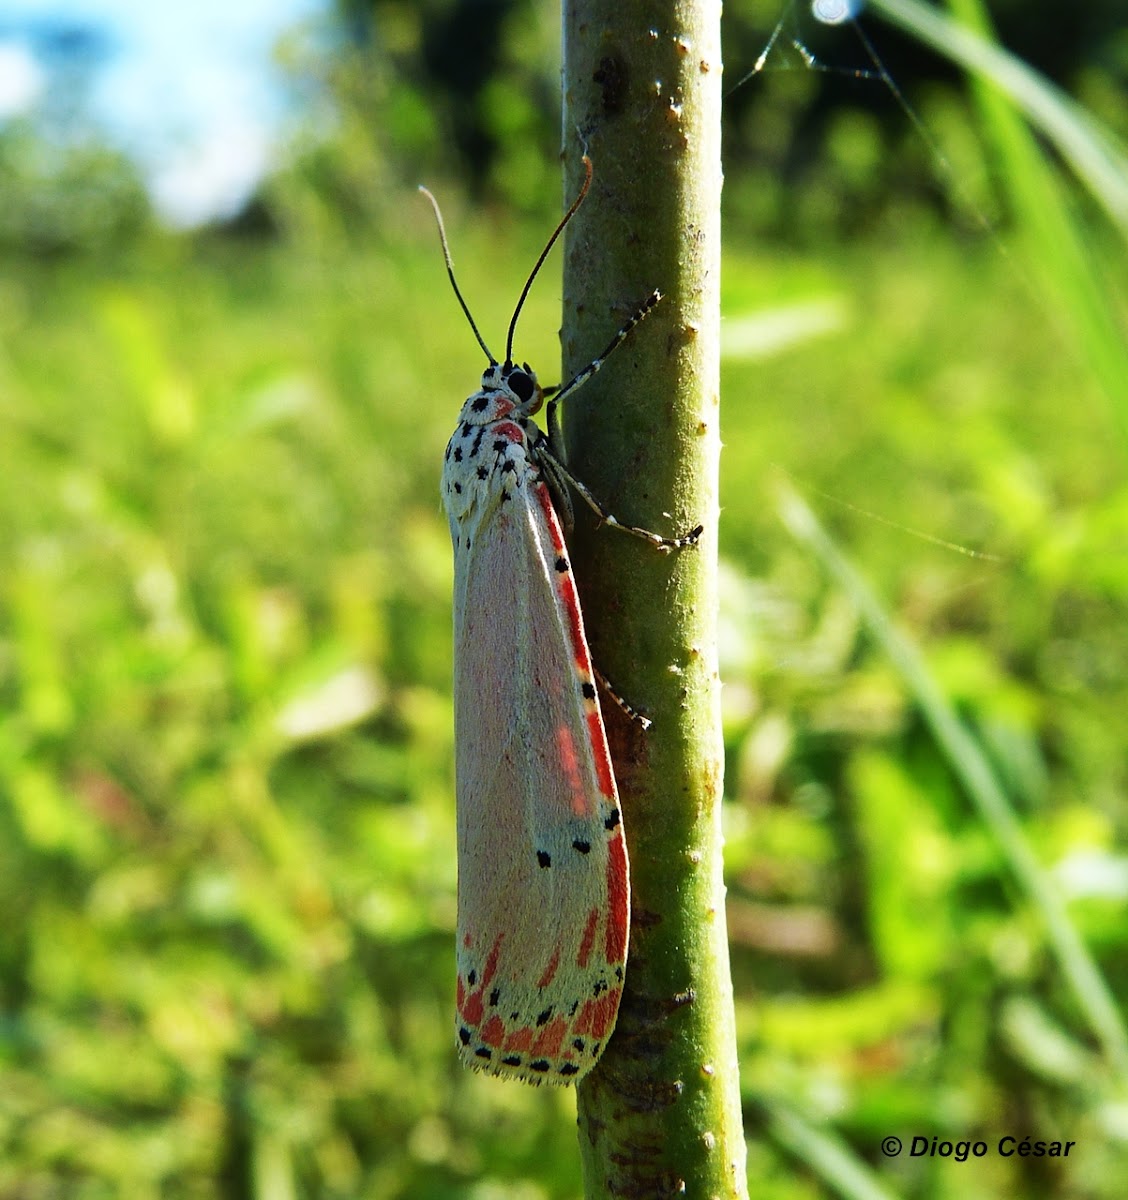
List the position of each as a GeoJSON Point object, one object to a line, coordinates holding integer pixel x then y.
{"type": "Point", "coordinates": [968, 763]}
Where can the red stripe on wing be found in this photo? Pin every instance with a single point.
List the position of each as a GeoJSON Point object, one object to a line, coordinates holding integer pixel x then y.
{"type": "Point", "coordinates": [570, 768]}
{"type": "Point", "coordinates": [471, 1006]}
{"type": "Point", "coordinates": [550, 970]}
{"type": "Point", "coordinates": [618, 900]}
{"type": "Point", "coordinates": [598, 737]}
{"type": "Point", "coordinates": [597, 1017]}
{"type": "Point", "coordinates": [565, 585]}
{"type": "Point", "coordinates": [519, 1040]}
{"type": "Point", "coordinates": [551, 1038]}
{"type": "Point", "coordinates": [493, 1032]}
{"type": "Point", "coordinates": [583, 955]}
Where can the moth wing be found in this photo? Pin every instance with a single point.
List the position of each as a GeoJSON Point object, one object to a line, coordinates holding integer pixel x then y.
{"type": "Point", "coordinates": [543, 893]}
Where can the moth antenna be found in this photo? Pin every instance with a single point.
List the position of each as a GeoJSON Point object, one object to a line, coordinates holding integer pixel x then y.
{"type": "Point", "coordinates": [450, 269]}
{"type": "Point", "coordinates": [544, 254]}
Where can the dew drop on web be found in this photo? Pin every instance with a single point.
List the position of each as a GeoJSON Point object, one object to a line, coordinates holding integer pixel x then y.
{"type": "Point", "coordinates": [835, 12]}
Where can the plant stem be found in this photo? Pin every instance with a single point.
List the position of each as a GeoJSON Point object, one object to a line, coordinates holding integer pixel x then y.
{"type": "Point", "coordinates": [642, 94]}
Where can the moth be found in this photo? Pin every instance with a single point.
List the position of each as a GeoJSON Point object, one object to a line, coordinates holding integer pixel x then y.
{"type": "Point", "coordinates": [543, 875]}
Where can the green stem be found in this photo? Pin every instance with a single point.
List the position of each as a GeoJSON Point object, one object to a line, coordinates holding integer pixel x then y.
{"type": "Point", "coordinates": [642, 93]}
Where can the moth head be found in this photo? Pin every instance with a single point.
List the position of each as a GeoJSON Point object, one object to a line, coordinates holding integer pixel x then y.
{"type": "Point", "coordinates": [521, 381]}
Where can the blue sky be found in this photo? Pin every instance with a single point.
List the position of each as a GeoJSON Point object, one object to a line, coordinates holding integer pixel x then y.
{"type": "Point", "coordinates": [188, 88]}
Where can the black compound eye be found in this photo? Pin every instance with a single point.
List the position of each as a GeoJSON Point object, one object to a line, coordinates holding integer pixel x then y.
{"type": "Point", "coordinates": [521, 385]}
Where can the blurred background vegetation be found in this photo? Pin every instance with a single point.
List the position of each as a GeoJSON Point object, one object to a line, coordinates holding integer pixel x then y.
{"type": "Point", "coordinates": [226, 789]}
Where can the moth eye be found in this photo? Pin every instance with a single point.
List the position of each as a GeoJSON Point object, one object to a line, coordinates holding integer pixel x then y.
{"type": "Point", "coordinates": [521, 385]}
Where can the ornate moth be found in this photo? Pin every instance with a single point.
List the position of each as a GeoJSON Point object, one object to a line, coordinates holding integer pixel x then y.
{"type": "Point", "coordinates": [543, 883]}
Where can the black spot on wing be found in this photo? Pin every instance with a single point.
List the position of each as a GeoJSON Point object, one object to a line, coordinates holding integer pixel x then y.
{"type": "Point", "coordinates": [544, 859]}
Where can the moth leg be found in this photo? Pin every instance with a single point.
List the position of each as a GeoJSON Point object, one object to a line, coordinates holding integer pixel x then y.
{"type": "Point", "coordinates": [555, 470]}
{"type": "Point", "coordinates": [550, 452]}
{"type": "Point", "coordinates": [563, 391]}
{"type": "Point", "coordinates": [557, 481]}
{"type": "Point", "coordinates": [629, 709]}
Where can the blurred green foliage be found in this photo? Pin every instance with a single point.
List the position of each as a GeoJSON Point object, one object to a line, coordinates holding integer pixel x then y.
{"type": "Point", "coordinates": [63, 197]}
{"type": "Point", "coordinates": [476, 83]}
{"type": "Point", "coordinates": [226, 787]}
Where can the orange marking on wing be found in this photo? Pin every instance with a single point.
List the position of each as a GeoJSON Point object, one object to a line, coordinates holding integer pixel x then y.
{"type": "Point", "coordinates": [550, 970]}
{"type": "Point", "coordinates": [491, 961]}
{"type": "Point", "coordinates": [584, 1018]}
{"type": "Point", "coordinates": [575, 623]}
{"type": "Point", "coordinates": [565, 585]}
{"type": "Point", "coordinates": [544, 499]}
{"type": "Point", "coordinates": [598, 739]}
{"type": "Point", "coordinates": [618, 901]}
{"type": "Point", "coordinates": [588, 940]}
{"type": "Point", "coordinates": [551, 1038]}
{"type": "Point", "coordinates": [570, 767]}
{"type": "Point", "coordinates": [472, 1008]}
{"type": "Point", "coordinates": [520, 1039]}
{"type": "Point", "coordinates": [492, 1032]}
{"type": "Point", "coordinates": [597, 1017]}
